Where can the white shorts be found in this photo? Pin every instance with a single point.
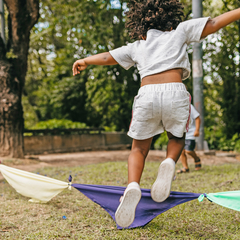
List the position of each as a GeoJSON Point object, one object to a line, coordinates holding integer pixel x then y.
{"type": "Point", "coordinates": [159, 107]}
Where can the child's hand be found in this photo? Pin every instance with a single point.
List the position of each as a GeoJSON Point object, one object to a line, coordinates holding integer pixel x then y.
{"type": "Point", "coordinates": [79, 66]}
{"type": "Point", "coordinates": [196, 133]}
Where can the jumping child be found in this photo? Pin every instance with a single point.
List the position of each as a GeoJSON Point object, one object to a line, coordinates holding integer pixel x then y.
{"type": "Point", "coordinates": [162, 103]}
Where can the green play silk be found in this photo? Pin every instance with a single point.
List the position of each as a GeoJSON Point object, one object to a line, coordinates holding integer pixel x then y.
{"type": "Point", "coordinates": [226, 199]}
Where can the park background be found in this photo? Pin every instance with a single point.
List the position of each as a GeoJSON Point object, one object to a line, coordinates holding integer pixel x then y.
{"type": "Point", "coordinates": [102, 96]}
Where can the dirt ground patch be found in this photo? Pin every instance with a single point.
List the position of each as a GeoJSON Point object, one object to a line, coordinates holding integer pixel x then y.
{"type": "Point", "coordinates": [31, 163]}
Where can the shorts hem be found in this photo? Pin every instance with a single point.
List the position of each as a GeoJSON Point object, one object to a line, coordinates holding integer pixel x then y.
{"type": "Point", "coordinates": [178, 135]}
{"type": "Point", "coordinates": [144, 137]}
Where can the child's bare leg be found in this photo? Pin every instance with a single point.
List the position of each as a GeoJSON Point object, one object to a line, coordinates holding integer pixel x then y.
{"type": "Point", "coordinates": [183, 158]}
{"type": "Point", "coordinates": [136, 159]}
{"type": "Point", "coordinates": [175, 146]}
{"type": "Point", "coordinates": [125, 213]}
{"type": "Point", "coordinates": [192, 154]}
{"type": "Point", "coordinates": [196, 159]}
{"type": "Point", "coordinates": [162, 186]}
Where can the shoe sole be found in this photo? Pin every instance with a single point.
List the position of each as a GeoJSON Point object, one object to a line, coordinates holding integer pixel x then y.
{"type": "Point", "coordinates": [161, 188]}
{"type": "Point", "coordinates": [125, 213]}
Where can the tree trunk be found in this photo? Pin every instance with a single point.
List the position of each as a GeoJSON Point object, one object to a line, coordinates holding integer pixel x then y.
{"type": "Point", "coordinates": [23, 14]}
{"type": "Point", "coordinates": [11, 115]}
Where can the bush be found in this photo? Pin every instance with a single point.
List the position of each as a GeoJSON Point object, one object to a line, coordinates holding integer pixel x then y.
{"type": "Point", "coordinates": [237, 146]}
{"type": "Point", "coordinates": [228, 144]}
{"type": "Point", "coordinates": [161, 142]}
{"type": "Point", "coordinates": [213, 136]}
{"type": "Point", "coordinates": [58, 123]}
{"type": "Point", "coordinates": [216, 140]}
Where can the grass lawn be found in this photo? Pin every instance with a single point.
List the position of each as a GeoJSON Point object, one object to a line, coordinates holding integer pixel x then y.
{"type": "Point", "coordinates": [20, 219]}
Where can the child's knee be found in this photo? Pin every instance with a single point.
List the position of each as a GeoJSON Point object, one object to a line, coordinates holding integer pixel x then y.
{"type": "Point", "coordinates": [141, 146]}
{"type": "Point", "coordinates": [140, 150]}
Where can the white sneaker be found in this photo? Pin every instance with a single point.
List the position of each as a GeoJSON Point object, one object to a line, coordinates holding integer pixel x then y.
{"type": "Point", "coordinates": [161, 188]}
{"type": "Point", "coordinates": [125, 213]}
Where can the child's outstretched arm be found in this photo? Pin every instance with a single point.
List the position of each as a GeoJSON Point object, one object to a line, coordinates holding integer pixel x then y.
{"type": "Point", "coordinates": [221, 21]}
{"type": "Point", "coordinates": [98, 59]}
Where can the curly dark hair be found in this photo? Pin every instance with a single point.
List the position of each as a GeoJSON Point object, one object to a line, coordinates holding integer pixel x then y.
{"type": "Point", "coordinates": [143, 15]}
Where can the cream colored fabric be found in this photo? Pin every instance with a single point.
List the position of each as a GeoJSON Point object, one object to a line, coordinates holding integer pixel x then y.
{"type": "Point", "coordinates": [38, 188]}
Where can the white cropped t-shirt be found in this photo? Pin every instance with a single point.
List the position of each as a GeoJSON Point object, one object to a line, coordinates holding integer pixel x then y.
{"type": "Point", "coordinates": [161, 51]}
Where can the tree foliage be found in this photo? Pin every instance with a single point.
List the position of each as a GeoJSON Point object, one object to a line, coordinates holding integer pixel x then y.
{"type": "Point", "coordinates": [100, 96]}
{"type": "Point", "coordinates": [223, 51]}
{"type": "Point", "coordinates": [103, 95]}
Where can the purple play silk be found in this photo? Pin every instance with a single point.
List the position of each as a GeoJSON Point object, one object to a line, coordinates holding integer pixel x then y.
{"type": "Point", "coordinates": [108, 198]}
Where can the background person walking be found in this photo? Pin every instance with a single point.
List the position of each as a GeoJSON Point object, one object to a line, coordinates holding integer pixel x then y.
{"type": "Point", "coordinates": [190, 142]}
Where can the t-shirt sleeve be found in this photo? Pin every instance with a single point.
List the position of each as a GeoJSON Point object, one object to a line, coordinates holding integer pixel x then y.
{"type": "Point", "coordinates": [123, 56]}
{"type": "Point", "coordinates": [194, 112]}
{"type": "Point", "coordinates": [193, 29]}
